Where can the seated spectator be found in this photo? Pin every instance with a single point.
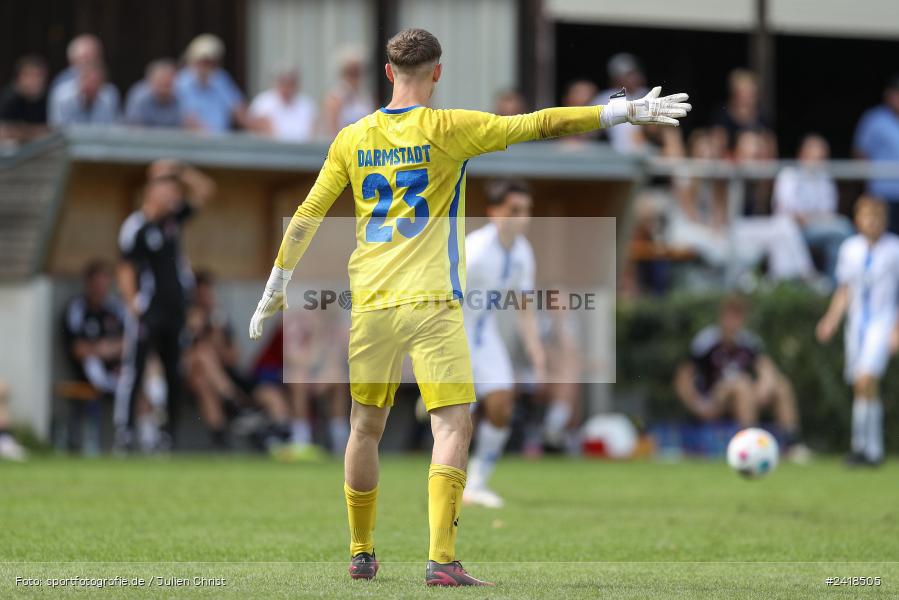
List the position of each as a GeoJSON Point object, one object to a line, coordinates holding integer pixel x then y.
{"type": "Point", "coordinates": [152, 101]}
{"type": "Point", "coordinates": [83, 50]}
{"type": "Point", "coordinates": [701, 221]}
{"type": "Point", "coordinates": [347, 102]}
{"type": "Point", "coordinates": [209, 98]}
{"type": "Point", "coordinates": [213, 375]}
{"type": "Point", "coordinates": [23, 104]}
{"type": "Point", "coordinates": [877, 138]}
{"type": "Point", "coordinates": [729, 374]}
{"type": "Point", "coordinates": [305, 361]}
{"type": "Point", "coordinates": [9, 447]}
{"type": "Point", "coordinates": [283, 112]}
{"type": "Point", "coordinates": [87, 99]}
{"type": "Point", "coordinates": [808, 194]}
{"type": "Point", "coordinates": [509, 102]}
{"type": "Point", "coordinates": [624, 71]}
{"type": "Point", "coordinates": [93, 323]}
{"type": "Point", "coordinates": [315, 367]}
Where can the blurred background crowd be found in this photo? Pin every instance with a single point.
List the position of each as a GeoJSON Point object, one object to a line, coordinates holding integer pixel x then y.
{"type": "Point", "coordinates": [739, 200]}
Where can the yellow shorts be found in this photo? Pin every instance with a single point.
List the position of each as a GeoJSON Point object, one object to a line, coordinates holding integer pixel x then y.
{"type": "Point", "coordinates": [433, 336]}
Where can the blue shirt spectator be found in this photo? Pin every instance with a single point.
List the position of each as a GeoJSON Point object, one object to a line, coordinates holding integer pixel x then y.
{"type": "Point", "coordinates": [152, 101]}
{"type": "Point", "coordinates": [87, 99]}
{"type": "Point", "coordinates": [210, 103]}
{"type": "Point", "coordinates": [877, 138]}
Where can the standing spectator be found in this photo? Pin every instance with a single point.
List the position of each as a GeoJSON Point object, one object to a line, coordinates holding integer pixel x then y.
{"type": "Point", "coordinates": [155, 280]}
{"type": "Point", "coordinates": [729, 374]}
{"type": "Point", "coordinates": [83, 50]}
{"type": "Point", "coordinates": [23, 104]}
{"type": "Point", "coordinates": [509, 102]}
{"type": "Point", "coordinates": [9, 447]}
{"type": "Point", "coordinates": [624, 71]}
{"type": "Point", "coordinates": [283, 112]}
{"type": "Point", "coordinates": [877, 138]}
{"type": "Point", "coordinates": [742, 111]}
{"type": "Point", "coordinates": [92, 328]}
{"type": "Point", "coordinates": [347, 102]}
{"type": "Point", "coordinates": [808, 194]}
{"type": "Point", "coordinates": [152, 101]}
{"type": "Point", "coordinates": [87, 99]}
{"type": "Point", "coordinates": [209, 98]}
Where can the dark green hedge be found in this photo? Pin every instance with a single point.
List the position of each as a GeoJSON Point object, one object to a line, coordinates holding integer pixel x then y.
{"type": "Point", "coordinates": [654, 336]}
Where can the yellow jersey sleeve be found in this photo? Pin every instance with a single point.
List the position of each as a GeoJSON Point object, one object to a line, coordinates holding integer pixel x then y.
{"type": "Point", "coordinates": [470, 132]}
{"type": "Point", "coordinates": [330, 183]}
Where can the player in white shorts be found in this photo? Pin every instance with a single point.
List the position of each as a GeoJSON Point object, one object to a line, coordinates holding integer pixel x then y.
{"type": "Point", "coordinates": [499, 266]}
{"type": "Point", "coordinates": [868, 278]}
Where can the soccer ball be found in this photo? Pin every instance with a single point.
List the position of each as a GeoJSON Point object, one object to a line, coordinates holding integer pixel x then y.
{"type": "Point", "coordinates": [752, 452]}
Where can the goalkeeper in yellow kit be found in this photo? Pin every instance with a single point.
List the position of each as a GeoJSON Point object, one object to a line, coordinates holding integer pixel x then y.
{"type": "Point", "coordinates": [406, 166]}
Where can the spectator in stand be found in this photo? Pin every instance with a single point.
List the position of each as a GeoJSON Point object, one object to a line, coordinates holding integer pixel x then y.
{"type": "Point", "coordinates": [752, 146]}
{"type": "Point", "coordinates": [87, 99]}
{"type": "Point", "coordinates": [347, 102]}
{"type": "Point", "coordinates": [729, 374]}
{"type": "Point", "coordinates": [209, 98]}
{"type": "Point", "coordinates": [509, 103]}
{"type": "Point", "coordinates": [624, 71]}
{"type": "Point", "coordinates": [283, 112]}
{"type": "Point", "coordinates": [579, 92]}
{"type": "Point", "coordinates": [93, 323]}
{"type": "Point", "coordinates": [877, 138]}
{"type": "Point", "coordinates": [152, 101]}
{"type": "Point", "coordinates": [742, 111]}
{"type": "Point", "coordinates": [23, 104]}
{"type": "Point", "coordinates": [9, 447]}
{"type": "Point", "coordinates": [702, 221]}
{"type": "Point", "coordinates": [808, 194]}
{"type": "Point", "coordinates": [82, 50]}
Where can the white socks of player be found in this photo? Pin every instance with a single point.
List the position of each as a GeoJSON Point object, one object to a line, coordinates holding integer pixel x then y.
{"type": "Point", "coordinates": [867, 428]}
{"type": "Point", "coordinates": [875, 430]}
{"type": "Point", "coordinates": [300, 432]}
{"type": "Point", "coordinates": [340, 434]}
{"type": "Point", "coordinates": [490, 444]}
{"type": "Point", "coordinates": [556, 421]}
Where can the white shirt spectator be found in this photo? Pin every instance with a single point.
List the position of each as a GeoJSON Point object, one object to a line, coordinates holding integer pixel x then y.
{"type": "Point", "coordinates": [803, 191]}
{"type": "Point", "coordinates": [292, 121]}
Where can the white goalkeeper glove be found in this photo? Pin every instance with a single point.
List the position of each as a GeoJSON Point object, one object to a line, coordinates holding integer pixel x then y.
{"type": "Point", "coordinates": [647, 110]}
{"type": "Point", "coordinates": [274, 298]}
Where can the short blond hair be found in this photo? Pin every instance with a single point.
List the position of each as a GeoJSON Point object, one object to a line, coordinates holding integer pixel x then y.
{"type": "Point", "coordinates": [413, 48]}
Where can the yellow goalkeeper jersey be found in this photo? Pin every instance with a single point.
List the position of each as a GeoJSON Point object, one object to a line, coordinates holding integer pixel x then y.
{"type": "Point", "coordinates": [406, 167]}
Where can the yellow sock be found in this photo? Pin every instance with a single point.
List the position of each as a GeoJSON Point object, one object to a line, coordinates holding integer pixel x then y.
{"type": "Point", "coordinates": [361, 508]}
{"type": "Point", "coordinates": [445, 485]}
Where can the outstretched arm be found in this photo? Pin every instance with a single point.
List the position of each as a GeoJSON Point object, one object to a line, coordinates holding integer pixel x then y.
{"type": "Point", "coordinates": [562, 121]}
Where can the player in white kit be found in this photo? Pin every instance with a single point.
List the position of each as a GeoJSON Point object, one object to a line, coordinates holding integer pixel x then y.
{"type": "Point", "coordinates": [868, 277]}
{"type": "Point", "coordinates": [499, 266]}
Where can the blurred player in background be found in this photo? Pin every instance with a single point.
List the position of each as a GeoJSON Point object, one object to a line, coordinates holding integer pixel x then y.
{"type": "Point", "coordinates": [155, 281]}
{"type": "Point", "coordinates": [499, 261]}
{"type": "Point", "coordinates": [406, 166]}
{"type": "Point", "coordinates": [868, 279]}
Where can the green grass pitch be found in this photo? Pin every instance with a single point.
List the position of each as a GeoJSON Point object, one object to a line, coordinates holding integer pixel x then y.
{"type": "Point", "coordinates": [572, 529]}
